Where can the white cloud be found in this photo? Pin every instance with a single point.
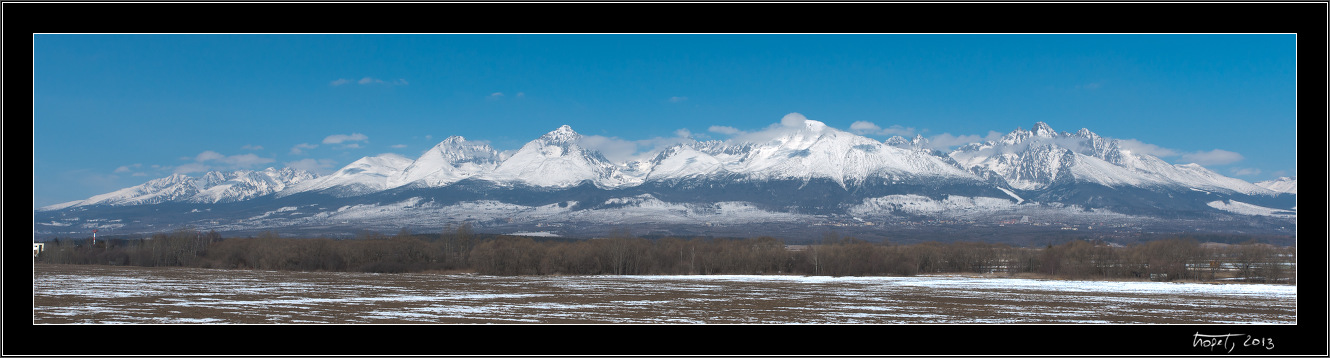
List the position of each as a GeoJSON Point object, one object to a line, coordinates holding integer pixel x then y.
{"type": "Point", "coordinates": [300, 148]}
{"type": "Point", "coordinates": [192, 168]}
{"type": "Point", "coordinates": [369, 80]}
{"type": "Point", "coordinates": [794, 120]}
{"type": "Point", "coordinates": [317, 166]}
{"type": "Point", "coordinates": [622, 150]}
{"type": "Point", "coordinates": [208, 155]}
{"type": "Point", "coordinates": [495, 95]}
{"type": "Point", "coordinates": [398, 146]}
{"type": "Point", "coordinates": [866, 127]}
{"type": "Point", "coordinates": [678, 99]}
{"type": "Point", "coordinates": [614, 149]}
{"type": "Point", "coordinates": [339, 138]}
{"type": "Point", "coordinates": [1138, 147]}
{"type": "Point", "coordinates": [788, 124]}
{"type": "Point", "coordinates": [947, 141]}
{"type": "Point", "coordinates": [246, 160]}
{"type": "Point", "coordinates": [1245, 171]}
{"type": "Point", "coordinates": [252, 147]}
{"type": "Point", "coordinates": [126, 168]}
{"type": "Point", "coordinates": [210, 160]}
{"type": "Point", "coordinates": [724, 130]}
{"type": "Point", "coordinates": [1217, 156]}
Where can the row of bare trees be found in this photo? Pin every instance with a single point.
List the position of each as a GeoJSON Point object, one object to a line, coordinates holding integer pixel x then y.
{"type": "Point", "coordinates": [461, 249]}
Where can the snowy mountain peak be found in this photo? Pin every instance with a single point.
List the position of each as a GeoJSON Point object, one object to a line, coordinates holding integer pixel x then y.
{"type": "Point", "coordinates": [451, 160]}
{"type": "Point", "coordinates": [813, 125]}
{"type": "Point", "coordinates": [451, 140]}
{"type": "Point", "coordinates": [1042, 129]}
{"type": "Point", "coordinates": [564, 134]}
{"type": "Point", "coordinates": [1283, 185]}
{"type": "Point", "coordinates": [918, 143]}
{"type": "Point", "coordinates": [1086, 134]}
{"type": "Point", "coordinates": [555, 159]}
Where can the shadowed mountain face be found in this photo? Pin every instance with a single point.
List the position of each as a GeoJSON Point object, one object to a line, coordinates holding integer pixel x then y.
{"type": "Point", "coordinates": [803, 175]}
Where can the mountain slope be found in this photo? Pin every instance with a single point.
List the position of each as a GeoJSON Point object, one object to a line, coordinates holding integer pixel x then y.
{"type": "Point", "coordinates": [556, 159]}
{"type": "Point", "coordinates": [1282, 185]}
{"type": "Point", "coordinates": [451, 160]}
{"type": "Point", "coordinates": [366, 175]}
{"type": "Point", "coordinates": [1040, 158]}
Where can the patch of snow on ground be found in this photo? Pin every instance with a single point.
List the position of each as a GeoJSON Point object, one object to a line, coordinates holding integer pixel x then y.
{"type": "Point", "coordinates": [536, 234]}
{"type": "Point", "coordinates": [1239, 207]}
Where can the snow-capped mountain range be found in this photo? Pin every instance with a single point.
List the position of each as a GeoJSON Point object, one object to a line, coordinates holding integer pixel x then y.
{"type": "Point", "coordinates": [213, 187]}
{"type": "Point", "coordinates": [801, 171]}
{"type": "Point", "coordinates": [1283, 185]}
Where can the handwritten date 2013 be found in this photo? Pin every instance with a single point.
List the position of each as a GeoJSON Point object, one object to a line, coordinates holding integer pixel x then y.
{"type": "Point", "coordinates": [1223, 341]}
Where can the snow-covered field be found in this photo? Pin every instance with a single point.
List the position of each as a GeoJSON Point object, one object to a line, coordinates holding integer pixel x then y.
{"type": "Point", "coordinates": [107, 295]}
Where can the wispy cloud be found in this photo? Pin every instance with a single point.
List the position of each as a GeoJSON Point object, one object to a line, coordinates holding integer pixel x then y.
{"type": "Point", "coordinates": [1217, 156]}
{"type": "Point", "coordinates": [132, 168]}
{"type": "Point", "coordinates": [252, 147]}
{"type": "Point", "coordinates": [870, 128]}
{"type": "Point", "coordinates": [495, 96]}
{"type": "Point", "coordinates": [1138, 147]}
{"type": "Point", "coordinates": [1211, 157]}
{"type": "Point", "coordinates": [369, 81]}
{"type": "Point", "coordinates": [947, 141]}
{"type": "Point", "coordinates": [678, 99]}
{"type": "Point", "coordinates": [300, 148]}
{"type": "Point", "coordinates": [727, 130]}
{"type": "Point", "coordinates": [622, 150]}
{"type": "Point", "coordinates": [317, 166]}
{"type": "Point", "coordinates": [398, 146]}
{"type": "Point", "coordinates": [339, 138]}
{"type": "Point", "coordinates": [1245, 171]}
{"type": "Point", "coordinates": [210, 160]}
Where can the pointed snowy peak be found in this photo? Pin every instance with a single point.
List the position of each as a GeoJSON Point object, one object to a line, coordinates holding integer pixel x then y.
{"type": "Point", "coordinates": [555, 159]}
{"type": "Point", "coordinates": [1282, 185]}
{"type": "Point", "coordinates": [1086, 134]}
{"type": "Point", "coordinates": [1042, 129]}
{"type": "Point", "coordinates": [451, 160]}
{"type": "Point", "coordinates": [564, 134]}
{"type": "Point", "coordinates": [918, 143]}
{"type": "Point", "coordinates": [456, 149]}
{"type": "Point", "coordinates": [897, 141]}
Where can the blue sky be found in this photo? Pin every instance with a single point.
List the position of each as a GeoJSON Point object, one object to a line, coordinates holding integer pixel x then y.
{"type": "Point", "coordinates": [113, 111]}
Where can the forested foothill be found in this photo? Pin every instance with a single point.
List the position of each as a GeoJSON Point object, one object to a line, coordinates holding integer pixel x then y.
{"type": "Point", "coordinates": [461, 250]}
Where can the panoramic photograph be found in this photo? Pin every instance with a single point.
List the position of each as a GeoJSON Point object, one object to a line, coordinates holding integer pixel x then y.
{"type": "Point", "coordinates": [969, 181]}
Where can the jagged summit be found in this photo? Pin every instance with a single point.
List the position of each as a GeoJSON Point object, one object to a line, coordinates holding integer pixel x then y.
{"type": "Point", "coordinates": [451, 160]}
{"type": "Point", "coordinates": [564, 134]}
{"type": "Point", "coordinates": [1042, 129]}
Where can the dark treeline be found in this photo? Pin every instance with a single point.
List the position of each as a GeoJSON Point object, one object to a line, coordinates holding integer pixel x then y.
{"type": "Point", "coordinates": [461, 250]}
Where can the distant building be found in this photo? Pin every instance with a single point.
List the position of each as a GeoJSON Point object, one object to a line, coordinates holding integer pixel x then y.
{"type": "Point", "coordinates": [37, 248]}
